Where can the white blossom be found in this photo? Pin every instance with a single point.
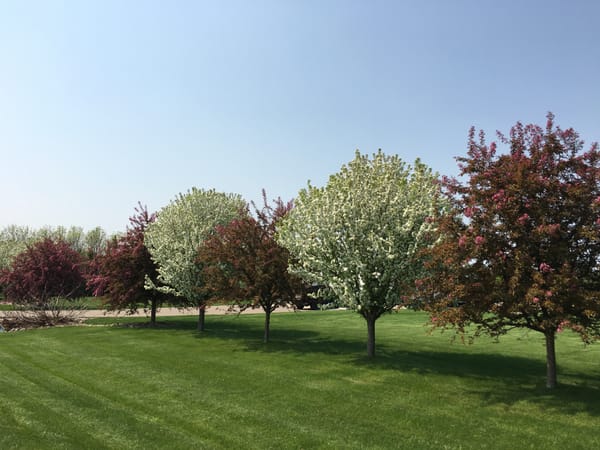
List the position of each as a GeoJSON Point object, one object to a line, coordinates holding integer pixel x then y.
{"type": "Point", "coordinates": [359, 234]}
{"type": "Point", "coordinates": [174, 238]}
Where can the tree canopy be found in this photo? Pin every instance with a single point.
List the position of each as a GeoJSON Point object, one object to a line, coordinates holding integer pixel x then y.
{"type": "Point", "coordinates": [361, 234]}
{"type": "Point", "coordinates": [174, 238]}
{"type": "Point", "coordinates": [15, 239]}
{"type": "Point", "coordinates": [243, 262]}
{"type": "Point", "coordinates": [521, 246]}
{"type": "Point", "coordinates": [46, 269]}
{"type": "Point", "coordinates": [119, 274]}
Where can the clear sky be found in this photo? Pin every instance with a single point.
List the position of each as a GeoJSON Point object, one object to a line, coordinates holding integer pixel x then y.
{"type": "Point", "coordinates": [106, 103]}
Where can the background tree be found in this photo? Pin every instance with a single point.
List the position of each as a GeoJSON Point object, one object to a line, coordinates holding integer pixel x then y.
{"type": "Point", "coordinates": [361, 233]}
{"type": "Point", "coordinates": [14, 240]}
{"type": "Point", "coordinates": [243, 262]}
{"type": "Point", "coordinates": [523, 240]}
{"type": "Point", "coordinates": [74, 236]}
{"type": "Point", "coordinates": [121, 271]}
{"type": "Point", "coordinates": [46, 269]}
{"type": "Point", "coordinates": [174, 238]}
{"type": "Point", "coordinates": [95, 242]}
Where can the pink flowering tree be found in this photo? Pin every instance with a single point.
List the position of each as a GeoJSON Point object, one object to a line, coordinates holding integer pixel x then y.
{"type": "Point", "coordinates": [522, 246]}
{"type": "Point", "coordinates": [119, 274]}
{"type": "Point", "coordinates": [46, 270]}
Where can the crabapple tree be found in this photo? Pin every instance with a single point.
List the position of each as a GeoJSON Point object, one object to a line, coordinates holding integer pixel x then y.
{"type": "Point", "coordinates": [119, 273]}
{"type": "Point", "coordinates": [361, 234]}
{"type": "Point", "coordinates": [44, 270]}
{"type": "Point", "coordinates": [521, 247]}
{"type": "Point", "coordinates": [243, 262]}
{"type": "Point", "coordinates": [174, 237]}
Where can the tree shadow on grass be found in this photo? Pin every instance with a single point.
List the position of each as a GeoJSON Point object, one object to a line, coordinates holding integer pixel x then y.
{"type": "Point", "coordinates": [181, 323]}
{"type": "Point", "coordinates": [515, 378]}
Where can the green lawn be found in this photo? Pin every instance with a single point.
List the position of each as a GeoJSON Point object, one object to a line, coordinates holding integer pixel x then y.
{"type": "Point", "coordinates": [311, 387]}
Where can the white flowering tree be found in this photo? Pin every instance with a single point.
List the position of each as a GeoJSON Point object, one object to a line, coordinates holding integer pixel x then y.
{"type": "Point", "coordinates": [360, 235]}
{"type": "Point", "coordinates": [174, 238]}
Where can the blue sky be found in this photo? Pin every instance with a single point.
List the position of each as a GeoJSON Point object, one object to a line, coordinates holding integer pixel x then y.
{"type": "Point", "coordinates": [107, 103]}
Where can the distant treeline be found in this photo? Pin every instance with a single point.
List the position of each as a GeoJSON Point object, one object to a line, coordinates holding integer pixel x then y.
{"type": "Point", "coordinates": [14, 239]}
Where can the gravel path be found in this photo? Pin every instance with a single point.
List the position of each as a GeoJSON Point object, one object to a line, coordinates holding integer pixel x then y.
{"type": "Point", "coordinates": [164, 312]}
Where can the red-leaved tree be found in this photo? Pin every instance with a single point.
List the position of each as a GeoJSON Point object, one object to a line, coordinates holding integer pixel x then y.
{"type": "Point", "coordinates": [521, 245]}
{"type": "Point", "coordinates": [242, 262]}
{"type": "Point", "coordinates": [47, 269]}
{"type": "Point", "coordinates": [119, 274]}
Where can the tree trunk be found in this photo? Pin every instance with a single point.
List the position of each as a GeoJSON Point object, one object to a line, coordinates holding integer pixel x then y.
{"type": "Point", "coordinates": [267, 325]}
{"type": "Point", "coordinates": [550, 359]}
{"type": "Point", "coordinates": [201, 314]}
{"type": "Point", "coordinates": [371, 332]}
{"type": "Point", "coordinates": [153, 306]}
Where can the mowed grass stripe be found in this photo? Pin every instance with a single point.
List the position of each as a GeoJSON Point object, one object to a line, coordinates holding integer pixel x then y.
{"type": "Point", "coordinates": [119, 394]}
{"type": "Point", "coordinates": [93, 407]}
{"type": "Point", "coordinates": [311, 387]}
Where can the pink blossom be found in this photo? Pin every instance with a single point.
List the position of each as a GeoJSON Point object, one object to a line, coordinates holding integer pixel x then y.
{"type": "Point", "coordinates": [523, 219]}
{"type": "Point", "coordinates": [479, 240]}
{"type": "Point", "coordinates": [563, 324]}
{"type": "Point", "coordinates": [535, 300]}
{"type": "Point", "coordinates": [548, 294]}
{"type": "Point", "coordinates": [598, 221]}
{"type": "Point", "coordinates": [545, 268]}
{"type": "Point", "coordinates": [462, 241]}
{"type": "Point", "coordinates": [434, 319]}
{"type": "Point", "coordinates": [554, 228]}
{"type": "Point", "coordinates": [468, 212]}
{"type": "Point", "coordinates": [498, 195]}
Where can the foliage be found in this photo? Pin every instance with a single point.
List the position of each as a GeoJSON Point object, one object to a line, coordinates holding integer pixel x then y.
{"type": "Point", "coordinates": [522, 245]}
{"type": "Point", "coordinates": [95, 242]}
{"type": "Point", "coordinates": [121, 271]}
{"type": "Point", "coordinates": [243, 262]}
{"type": "Point", "coordinates": [14, 239]}
{"type": "Point", "coordinates": [360, 234]}
{"type": "Point", "coordinates": [123, 387]}
{"type": "Point", "coordinates": [44, 270]}
{"type": "Point", "coordinates": [87, 244]}
{"type": "Point", "coordinates": [174, 238]}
